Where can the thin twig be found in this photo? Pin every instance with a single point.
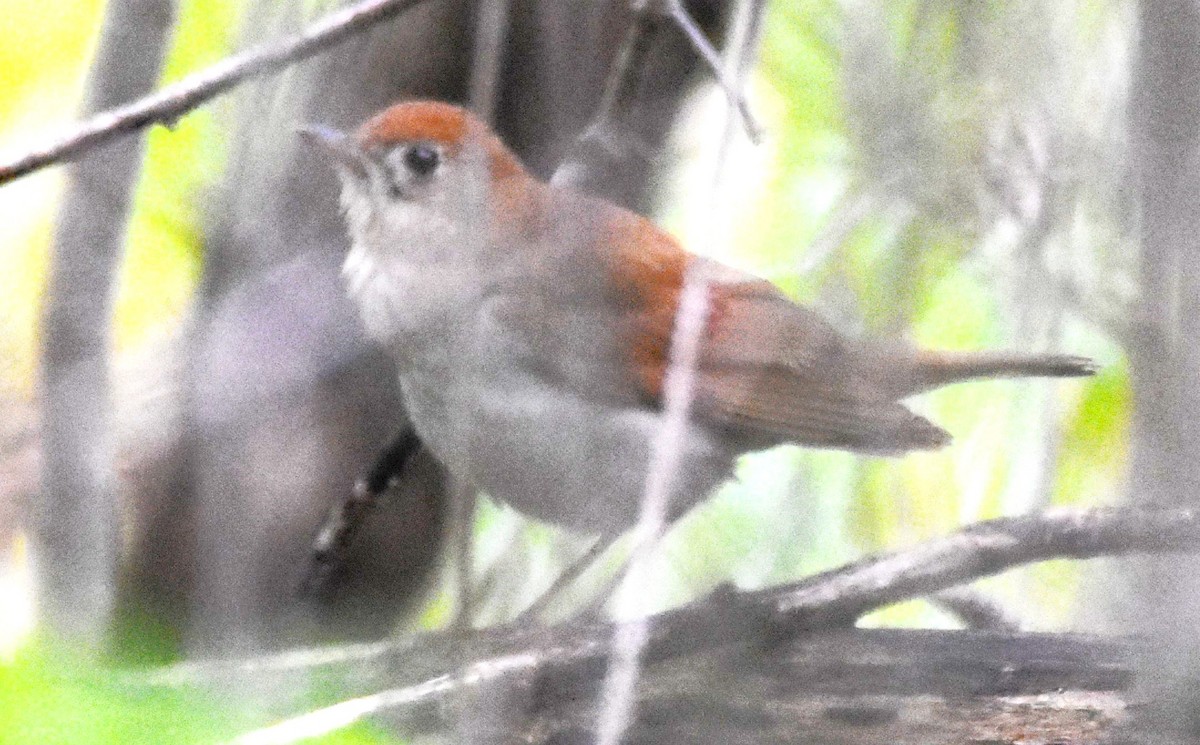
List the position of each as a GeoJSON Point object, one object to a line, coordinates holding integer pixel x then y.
{"type": "Point", "coordinates": [620, 94]}
{"type": "Point", "coordinates": [976, 610]}
{"type": "Point", "coordinates": [177, 99]}
{"type": "Point", "coordinates": [666, 451]}
{"type": "Point", "coordinates": [563, 581]}
{"type": "Point", "coordinates": [725, 78]}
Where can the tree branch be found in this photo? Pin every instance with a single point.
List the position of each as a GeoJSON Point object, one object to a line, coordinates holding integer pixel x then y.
{"type": "Point", "coordinates": [177, 99]}
{"type": "Point", "coordinates": [611, 140]}
{"type": "Point", "coordinates": [980, 550]}
{"type": "Point", "coordinates": [76, 533]}
{"type": "Point", "coordinates": [424, 675]}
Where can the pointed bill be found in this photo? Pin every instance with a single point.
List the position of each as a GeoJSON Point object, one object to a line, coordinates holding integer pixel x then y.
{"type": "Point", "coordinates": [336, 145]}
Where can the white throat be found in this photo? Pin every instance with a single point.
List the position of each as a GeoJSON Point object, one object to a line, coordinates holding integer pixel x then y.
{"type": "Point", "coordinates": [409, 269]}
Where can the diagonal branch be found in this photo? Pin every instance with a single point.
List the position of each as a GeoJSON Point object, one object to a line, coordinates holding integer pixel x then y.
{"type": "Point", "coordinates": [610, 140]}
{"type": "Point", "coordinates": [734, 89]}
{"type": "Point", "coordinates": [177, 99]}
{"type": "Point", "coordinates": [980, 550]}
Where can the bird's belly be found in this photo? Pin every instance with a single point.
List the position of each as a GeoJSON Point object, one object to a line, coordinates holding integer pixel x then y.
{"type": "Point", "coordinates": [553, 454]}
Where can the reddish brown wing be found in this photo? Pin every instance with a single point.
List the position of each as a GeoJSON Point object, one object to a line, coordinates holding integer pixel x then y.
{"type": "Point", "coordinates": [771, 366]}
{"type": "Point", "coordinates": [768, 366]}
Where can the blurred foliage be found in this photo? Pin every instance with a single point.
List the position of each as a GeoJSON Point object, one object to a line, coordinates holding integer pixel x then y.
{"type": "Point", "coordinates": [42, 82]}
{"type": "Point", "coordinates": [951, 172]}
{"type": "Point", "coordinates": [44, 77]}
{"type": "Point", "coordinates": [50, 696]}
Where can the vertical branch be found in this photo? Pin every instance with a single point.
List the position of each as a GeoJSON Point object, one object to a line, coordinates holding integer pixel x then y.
{"type": "Point", "coordinates": [1163, 357]}
{"type": "Point", "coordinates": [286, 400]}
{"type": "Point", "coordinates": [1166, 106]}
{"type": "Point", "coordinates": [76, 534]}
{"type": "Point", "coordinates": [491, 28]}
{"type": "Point", "coordinates": [601, 148]}
{"type": "Point", "coordinates": [618, 696]}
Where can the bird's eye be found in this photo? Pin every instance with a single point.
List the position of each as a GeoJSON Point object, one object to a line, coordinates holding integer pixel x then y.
{"type": "Point", "coordinates": [422, 159]}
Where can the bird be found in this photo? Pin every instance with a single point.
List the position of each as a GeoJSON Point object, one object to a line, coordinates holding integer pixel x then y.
{"type": "Point", "coordinates": [532, 328]}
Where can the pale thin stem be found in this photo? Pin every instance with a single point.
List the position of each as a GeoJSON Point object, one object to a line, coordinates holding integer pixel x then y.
{"type": "Point", "coordinates": [573, 571]}
{"type": "Point", "coordinates": [728, 80]}
{"type": "Point", "coordinates": [666, 453]}
{"type": "Point", "coordinates": [177, 99]}
{"type": "Point", "coordinates": [618, 695]}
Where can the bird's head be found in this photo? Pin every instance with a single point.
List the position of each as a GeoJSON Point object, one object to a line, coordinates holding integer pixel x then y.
{"type": "Point", "coordinates": [417, 166]}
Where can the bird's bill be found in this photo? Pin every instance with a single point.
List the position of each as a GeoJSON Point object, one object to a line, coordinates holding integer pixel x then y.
{"type": "Point", "coordinates": [335, 145]}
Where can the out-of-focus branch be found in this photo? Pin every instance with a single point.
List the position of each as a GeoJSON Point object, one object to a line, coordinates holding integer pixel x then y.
{"type": "Point", "coordinates": [491, 29]}
{"type": "Point", "coordinates": [1164, 126]}
{"type": "Point", "coordinates": [975, 610]}
{"type": "Point", "coordinates": [601, 138]}
{"type": "Point", "coordinates": [732, 86]}
{"type": "Point", "coordinates": [179, 98]}
{"type": "Point", "coordinates": [830, 600]}
{"type": "Point", "coordinates": [610, 137]}
{"type": "Point", "coordinates": [76, 533]}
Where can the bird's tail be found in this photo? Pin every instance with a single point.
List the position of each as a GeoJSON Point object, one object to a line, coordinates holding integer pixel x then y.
{"type": "Point", "coordinates": [936, 369]}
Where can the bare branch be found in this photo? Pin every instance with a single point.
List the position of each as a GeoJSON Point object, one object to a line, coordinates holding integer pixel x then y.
{"type": "Point", "coordinates": [829, 600]}
{"type": "Point", "coordinates": [177, 99]}
{"type": "Point", "coordinates": [981, 550]}
{"type": "Point", "coordinates": [729, 83]}
{"type": "Point", "coordinates": [612, 139]}
{"type": "Point", "coordinates": [563, 663]}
